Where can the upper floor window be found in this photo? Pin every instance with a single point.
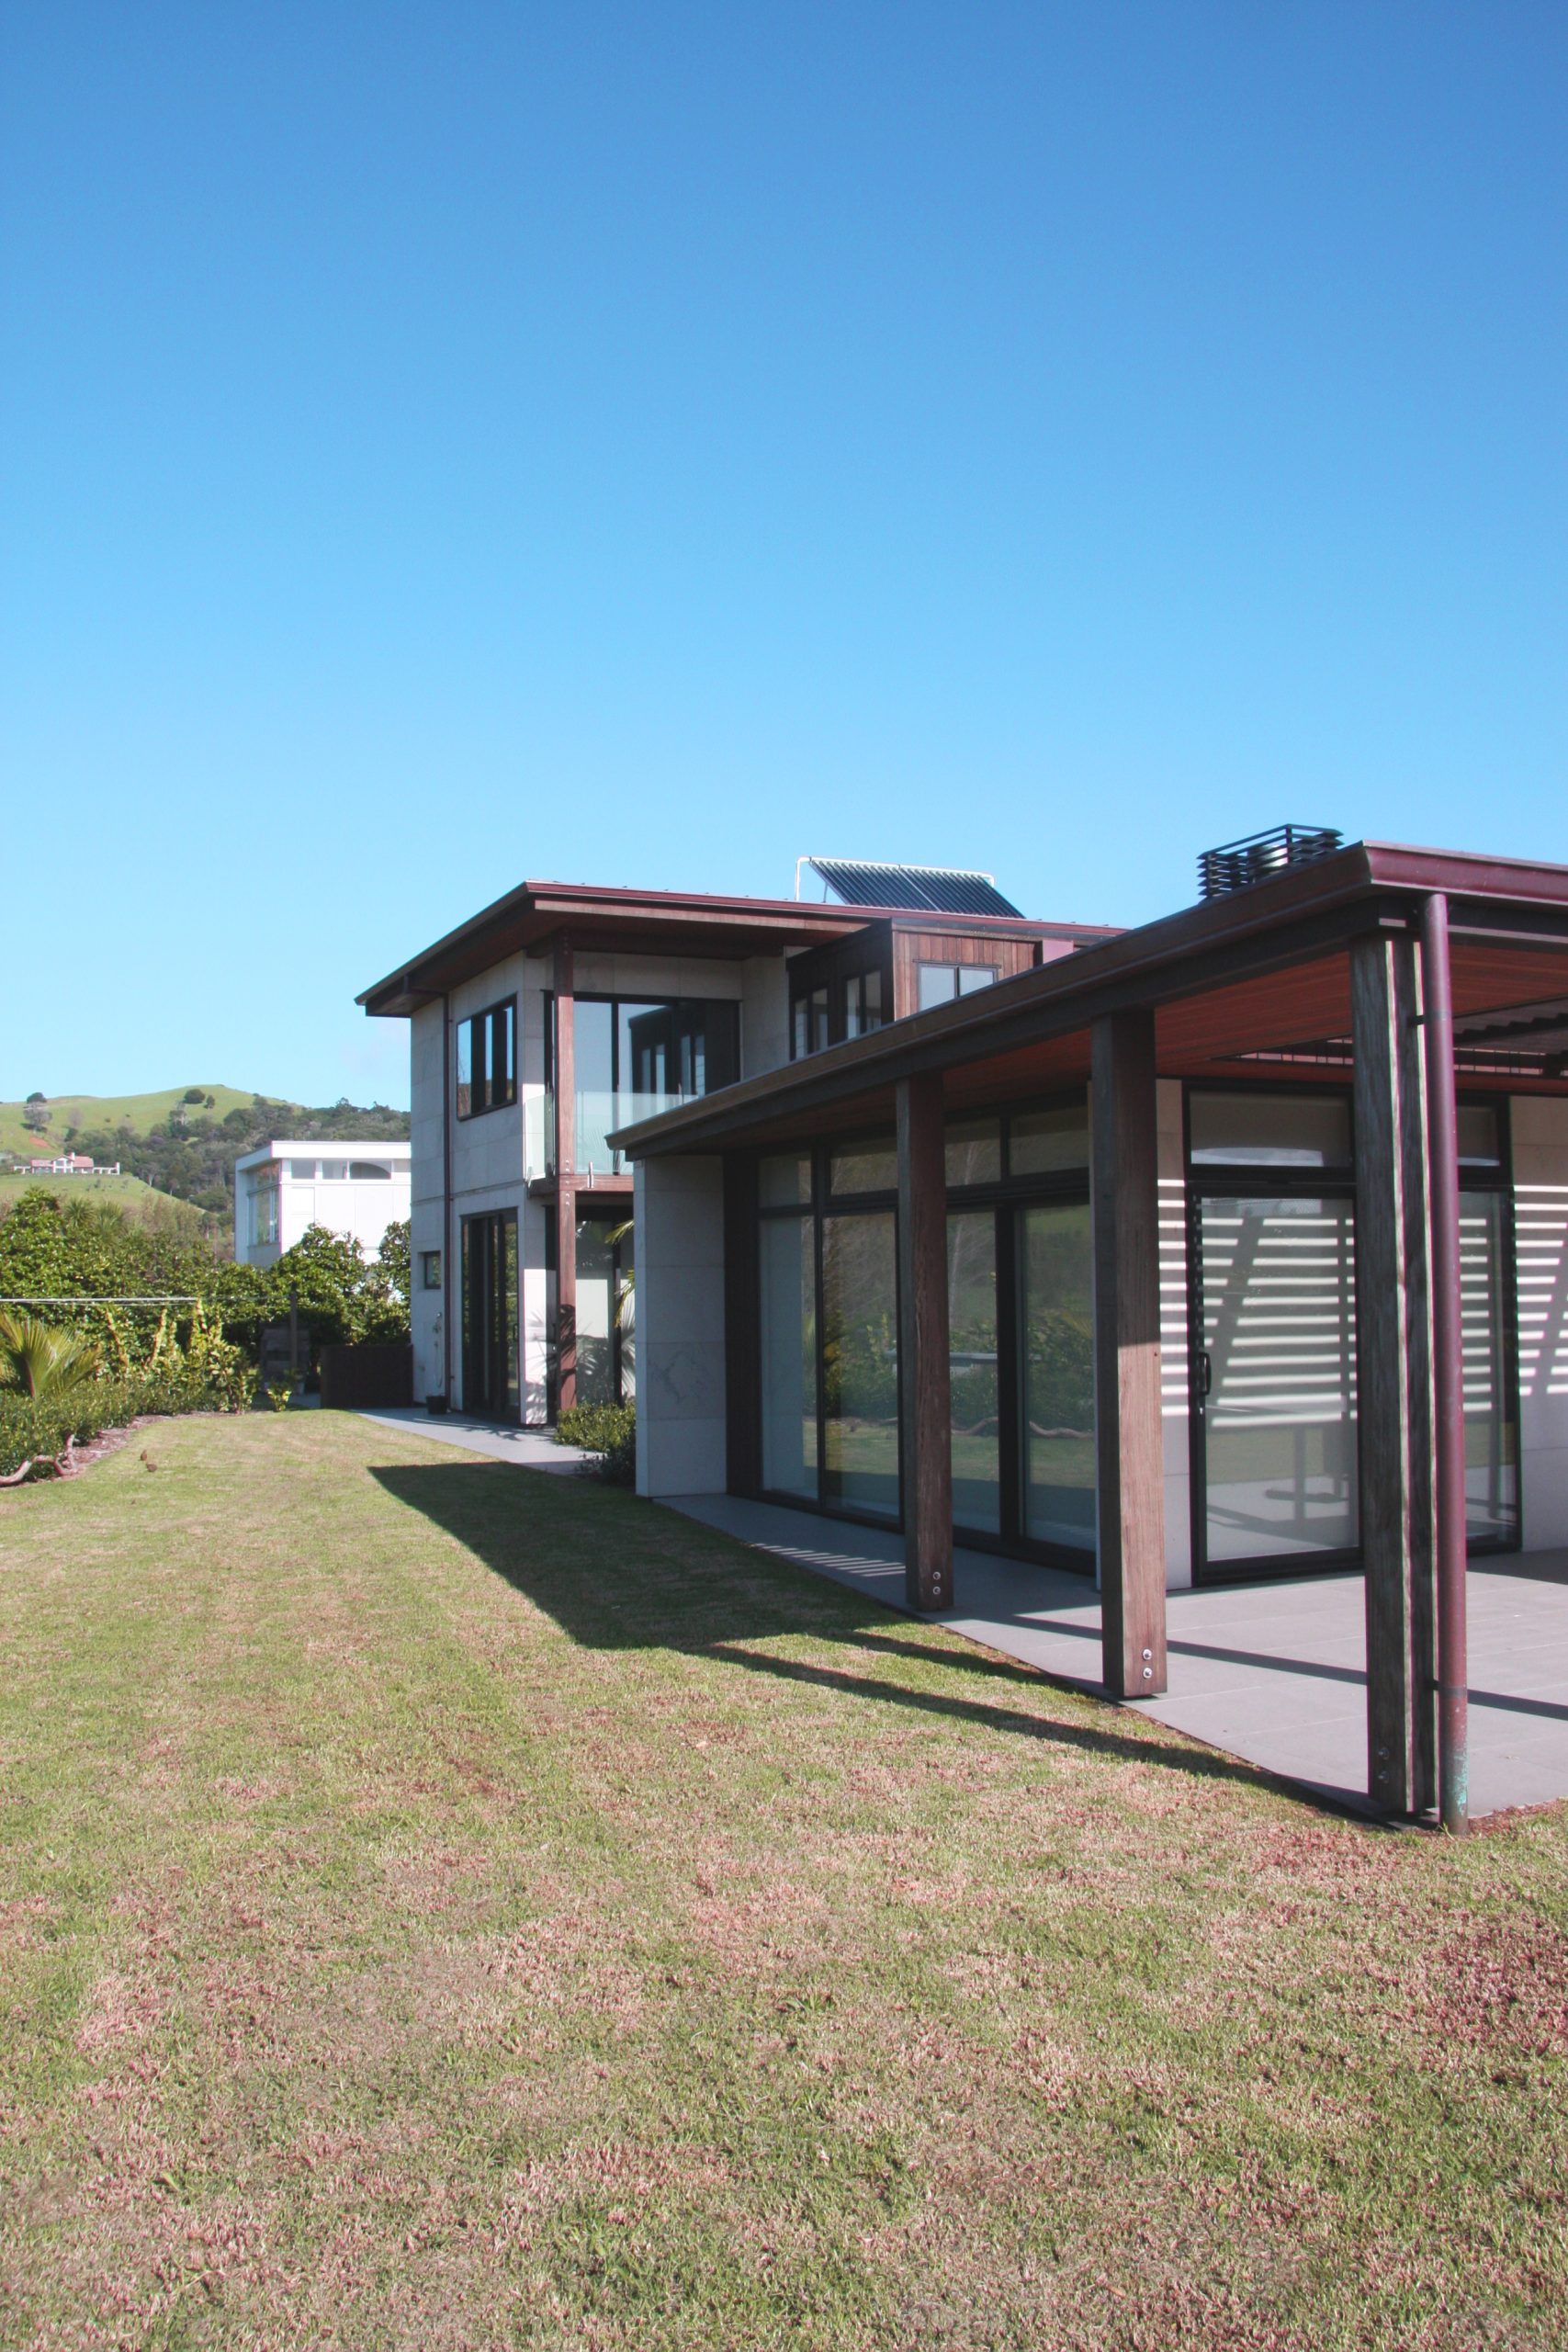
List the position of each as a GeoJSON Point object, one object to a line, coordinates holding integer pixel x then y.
{"type": "Point", "coordinates": [863, 1003]}
{"type": "Point", "coordinates": [264, 1212]}
{"type": "Point", "coordinates": [940, 983]}
{"type": "Point", "coordinates": [487, 1060]}
{"type": "Point", "coordinates": [809, 1023]}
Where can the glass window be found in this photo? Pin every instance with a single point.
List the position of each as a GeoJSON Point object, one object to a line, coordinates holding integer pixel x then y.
{"type": "Point", "coordinates": [977, 975]}
{"type": "Point", "coordinates": [860, 1362]}
{"type": "Point", "coordinates": [303, 1171]}
{"type": "Point", "coordinates": [263, 1213]}
{"type": "Point", "coordinates": [487, 1060]}
{"type": "Point", "coordinates": [809, 1027]}
{"type": "Point", "coordinates": [1491, 1429]}
{"type": "Point", "coordinates": [788, 1357]}
{"type": "Point", "coordinates": [870, 1167]}
{"type": "Point", "coordinates": [936, 984]}
{"type": "Point", "coordinates": [1479, 1143]}
{"type": "Point", "coordinates": [784, 1179]}
{"type": "Point", "coordinates": [973, 1370]}
{"type": "Point", "coordinates": [430, 1269]}
{"type": "Point", "coordinates": [333, 1170]}
{"type": "Point", "coordinates": [1056, 1345]}
{"type": "Point", "coordinates": [368, 1171]}
{"type": "Point", "coordinates": [974, 1152]}
{"type": "Point", "coordinates": [1269, 1130]}
{"type": "Point", "coordinates": [863, 1003]}
{"type": "Point", "coordinates": [1044, 1143]}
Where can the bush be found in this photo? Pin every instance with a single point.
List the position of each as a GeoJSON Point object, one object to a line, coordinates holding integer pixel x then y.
{"type": "Point", "coordinates": [608, 1434]}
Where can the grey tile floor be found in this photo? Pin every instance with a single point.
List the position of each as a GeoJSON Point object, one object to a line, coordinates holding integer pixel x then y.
{"type": "Point", "coordinates": [1273, 1672]}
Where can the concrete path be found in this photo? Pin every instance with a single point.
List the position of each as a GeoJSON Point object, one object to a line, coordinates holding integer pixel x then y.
{"type": "Point", "coordinates": [534, 1449]}
{"type": "Point", "coordinates": [1272, 1672]}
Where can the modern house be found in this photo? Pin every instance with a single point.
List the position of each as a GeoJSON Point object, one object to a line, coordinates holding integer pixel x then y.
{"type": "Point", "coordinates": [562, 1013]}
{"type": "Point", "coordinates": [282, 1189]}
{"type": "Point", "coordinates": [1231, 1247]}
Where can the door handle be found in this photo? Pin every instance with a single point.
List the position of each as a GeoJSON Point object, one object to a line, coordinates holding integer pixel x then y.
{"type": "Point", "coordinates": [1205, 1372]}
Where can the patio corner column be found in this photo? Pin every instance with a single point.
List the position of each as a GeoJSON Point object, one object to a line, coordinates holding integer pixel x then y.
{"type": "Point", "coordinates": [1129, 1429]}
{"type": "Point", "coordinates": [925, 1416]}
{"type": "Point", "coordinates": [566, 1194]}
{"type": "Point", "coordinates": [1394, 1331]}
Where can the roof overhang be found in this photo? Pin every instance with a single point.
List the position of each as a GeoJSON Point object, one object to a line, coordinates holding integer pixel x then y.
{"type": "Point", "coordinates": [1263, 972]}
{"type": "Point", "coordinates": [528, 921]}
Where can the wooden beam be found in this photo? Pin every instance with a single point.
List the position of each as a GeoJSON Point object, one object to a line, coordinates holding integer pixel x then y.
{"type": "Point", "coordinates": [1129, 1431]}
{"type": "Point", "coordinates": [925, 1414]}
{"type": "Point", "coordinates": [1393, 1317]}
{"type": "Point", "coordinates": [566, 1196]}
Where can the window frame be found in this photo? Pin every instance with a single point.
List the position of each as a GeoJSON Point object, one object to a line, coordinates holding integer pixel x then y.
{"type": "Point", "coordinates": [470, 1028]}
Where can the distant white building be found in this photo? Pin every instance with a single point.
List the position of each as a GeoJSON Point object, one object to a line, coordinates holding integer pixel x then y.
{"type": "Point", "coordinates": [355, 1189]}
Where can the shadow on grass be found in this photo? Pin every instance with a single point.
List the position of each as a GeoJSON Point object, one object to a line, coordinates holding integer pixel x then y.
{"type": "Point", "coordinates": [615, 1573]}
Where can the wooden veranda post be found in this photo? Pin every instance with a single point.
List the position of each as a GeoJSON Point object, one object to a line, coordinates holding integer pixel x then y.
{"type": "Point", "coordinates": [1129, 1432]}
{"type": "Point", "coordinates": [926, 1421]}
{"type": "Point", "coordinates": [1393, 1321]}
{"type": "Point", "coordinates": [1448, 1341]}
{"type": "Point", "coordinates": [565, 1193]}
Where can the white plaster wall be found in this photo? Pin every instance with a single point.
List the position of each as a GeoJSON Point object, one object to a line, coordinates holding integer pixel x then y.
{"type": "Point", "coordinates": [1540, 1212]}
{"type": "Point", "coordinates": [425, 1218]}
{"type": "Point", "coordinates": [681, 1434]}
{"type": "Point", "coordinates": [1171, 1170]}
{"type": "Point", "coordinates": [764, 1016]}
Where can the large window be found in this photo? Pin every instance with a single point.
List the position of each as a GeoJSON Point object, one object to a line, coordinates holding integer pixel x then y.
{"type": "Point", "coordinates": [1276, 1467]}
{"type": "Point", "coordinates": [637, 1057]}
{"type": "Point", "coordinates": [826, 1012]}
{"type": "Point", "coordinates": [264, 1210]}
{"type": "Point", "coordinates": [1021, 1335]}
{"type": "Point", "coordinates": [487, 1060]}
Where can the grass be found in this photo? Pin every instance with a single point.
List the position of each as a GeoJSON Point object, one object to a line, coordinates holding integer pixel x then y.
{"type": "Point", "coordinates": [141, 1112]}
{"type": "Point", "coordinates": [128, 1192]}
{"type": "Point", "coordinates": [446, 1906]}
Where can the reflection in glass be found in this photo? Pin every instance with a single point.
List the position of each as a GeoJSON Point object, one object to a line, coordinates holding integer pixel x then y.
{"type": "Point", "coordinates": [1056, 1345]}
{"type": "Point", "coordinates": [864, 1168]}
{"type": "Point", "coordinates": [1269, 1130]}
{"type": "Point", "coordinates": [784, 1179]}
{"type": "Point", "coordinates": [788, 1357]}
{"type": "Point", "coordinates": [1278, 1336]}
{"type": "Point", "coordinates": [1491, 1434]}
{"type": "Point", "coordinates": [972, 1370]}
{"type": "Point", "coordinates": [604, 1349]}
{"type": "Point", "coordinates": [1040, 1143]}
{"type": "Point", "coordinates": [974, 1152]}
{"type": "Point", "coordinates": [860, 1362]}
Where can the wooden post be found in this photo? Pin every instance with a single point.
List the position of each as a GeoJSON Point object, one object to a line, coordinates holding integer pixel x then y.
{"type": "Point", "coordinates": [1447, 1383]}
{"type": "Point", "coordinates": [925, 1414]}
{"type": "Point", "coordinates": [1129, 1431]}
{"type": "Point", "coordinates": [1395, 1377]}
{"type": "Point", "coordinates": [566, 1192]}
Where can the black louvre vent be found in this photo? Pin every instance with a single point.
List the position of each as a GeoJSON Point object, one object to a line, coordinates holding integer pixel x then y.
{"type": "Point", "coordinates": [1238, 865]}
{"type": "Point", "coordinates": [937, 890]}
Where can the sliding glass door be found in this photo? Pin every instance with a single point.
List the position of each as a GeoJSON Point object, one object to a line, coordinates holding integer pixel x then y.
{"type": "Point", "coordinates": [489, 1305]}
{"type": "Point", "coordinates": [1057, 1366]}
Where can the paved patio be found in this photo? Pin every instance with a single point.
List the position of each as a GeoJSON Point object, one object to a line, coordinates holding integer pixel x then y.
{"type": "Point", "coordinates": [534, 1449]}
{"type": "Point", "coordinates": [1273, 1672]}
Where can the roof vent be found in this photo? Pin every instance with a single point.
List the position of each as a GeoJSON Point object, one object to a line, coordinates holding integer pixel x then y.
{"type": "Point", "coordinates": [941, 889]}
{"type": "Point", "coordinates": [1237, 865]}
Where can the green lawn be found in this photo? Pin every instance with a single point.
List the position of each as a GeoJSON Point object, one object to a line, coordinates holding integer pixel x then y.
{"type": "Point", "coordinates": [128, 1192]}
{"type": "Point", "coordinates": [445, 1905]}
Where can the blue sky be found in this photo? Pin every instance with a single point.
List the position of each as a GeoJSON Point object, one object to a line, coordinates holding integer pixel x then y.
{"type": "Point", "coordinates": [443, 444]}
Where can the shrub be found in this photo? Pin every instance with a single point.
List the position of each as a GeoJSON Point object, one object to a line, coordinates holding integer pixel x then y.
{"type": "Point", "coordinates": [607, 1433]}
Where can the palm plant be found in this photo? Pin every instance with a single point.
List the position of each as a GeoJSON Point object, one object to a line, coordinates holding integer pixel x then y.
{"type": "Point", "coordinates": [50, 1364]}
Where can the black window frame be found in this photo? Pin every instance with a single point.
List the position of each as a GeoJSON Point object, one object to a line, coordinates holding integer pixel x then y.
{"type": "Point", "coordinates": [479, 1028]}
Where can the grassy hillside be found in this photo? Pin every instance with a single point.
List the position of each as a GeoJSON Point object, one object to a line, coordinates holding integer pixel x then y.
{"type": "Point", "coordinates": [139, 1113]}
{"type": "Point", "coordinates": [128, 1193]}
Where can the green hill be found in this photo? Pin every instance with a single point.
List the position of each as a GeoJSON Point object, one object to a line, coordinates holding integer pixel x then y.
{"type": "Point", "coordinates": [139, 1113]}
{"type": "Point", "coordinates": [143, 1203]}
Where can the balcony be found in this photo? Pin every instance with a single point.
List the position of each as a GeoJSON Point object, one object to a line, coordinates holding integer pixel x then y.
{"type": "Point", "coordinates": [598, 1114]}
